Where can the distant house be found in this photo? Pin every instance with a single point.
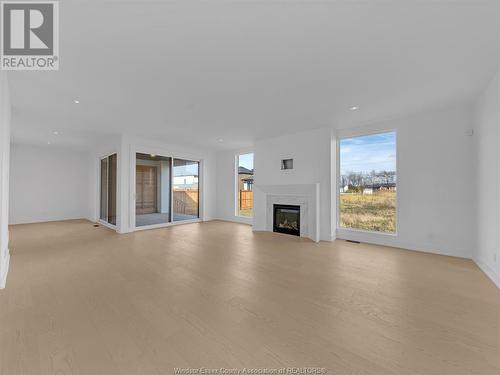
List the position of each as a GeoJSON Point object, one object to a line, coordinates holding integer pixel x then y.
{"type": "Point", "coordinates": [245, 179]}
{"type": "Point", "coordinates": [368, 191]}
{"type": "Point", "coordinates": [385, 186]}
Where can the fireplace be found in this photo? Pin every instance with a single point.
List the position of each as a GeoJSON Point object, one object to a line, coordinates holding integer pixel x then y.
{"type": "Point", "coordinates": [286, 219]}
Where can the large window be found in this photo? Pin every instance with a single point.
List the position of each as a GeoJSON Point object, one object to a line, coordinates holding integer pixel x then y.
{"type": "Point", "coordinates": [368, 183]}
{"type": "Point", "coordinates": [245, 185]}
{"type": "Point", "coordinates": [108, 189]}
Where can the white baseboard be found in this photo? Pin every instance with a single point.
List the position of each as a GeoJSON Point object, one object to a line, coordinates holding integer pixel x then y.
{"type": "Point", "coordinates": [236, 219]}
{"type": "Point", "coordinates": [391, 240]}
{"type": "Point", "coordinates": [48, 220]}
{"type": "Point", "coordinates": [489, 271]}
{"type": "Point", "coordinates": [4, 270]}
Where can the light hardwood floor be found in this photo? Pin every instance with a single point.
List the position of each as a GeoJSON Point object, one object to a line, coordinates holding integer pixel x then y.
{"type": "Point", "coordinates": [85, 300]}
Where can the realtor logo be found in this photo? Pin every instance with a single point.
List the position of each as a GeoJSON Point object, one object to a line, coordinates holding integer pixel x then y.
{"type": "Point", "coordinates": [29, 35]}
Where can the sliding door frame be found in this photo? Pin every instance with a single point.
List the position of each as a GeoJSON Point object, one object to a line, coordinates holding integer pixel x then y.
{"type": "Point", "coordinates": [99, 181]}
{"type": "Point", "coordinates": [134, 150]}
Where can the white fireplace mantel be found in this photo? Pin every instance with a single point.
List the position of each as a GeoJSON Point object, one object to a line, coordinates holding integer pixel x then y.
{"type": "Point", "coordinates": [304, 195]}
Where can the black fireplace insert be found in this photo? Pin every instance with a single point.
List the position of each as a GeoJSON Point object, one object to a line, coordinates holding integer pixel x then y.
{"type": "Point", "coordinates": [286, 219]}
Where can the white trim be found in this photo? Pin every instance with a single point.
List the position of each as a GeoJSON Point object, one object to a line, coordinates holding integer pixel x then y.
{"type": "Point", "coordinates": [98, 195]}
{"type": "Point", "coordinates": [334, 204]}
{"type": "Point", "coordinates": [375, 238]}
{"type": "Point", "coordinates": [489, 271]}
{"type": "Point", "coordinates": [307, 196]}
{"type": "Point", "coordinates": [4, 270]}
{"type": "Point", "coordinates": [171, 188]}
{"type": "Point", "coordinates": [364, 231]}
{"type": "Point", "coordinates": [240, 218]}
{"type": "Point", "coordinates": [236, 184]}
{"type": "Point", "coordinates": [106, 224]}
{"type": "Point", "coordinates": [362, 132]}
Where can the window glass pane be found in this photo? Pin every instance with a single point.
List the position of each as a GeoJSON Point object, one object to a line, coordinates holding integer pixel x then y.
{"type": "Point", "coordinates": [112, 189]}
{"type": "Point", "coordinates": [152, 189]}
{"type": "Point", "coordinates": [245, 185]}
{"type": "Point", "coordinates": [186, 190]}
{"type": "Point", "coordinates": [368, 182]}
{"type": "Point", "coordinates": [104, 190]}
{"type": "Point", "coordinates": [108, 189]}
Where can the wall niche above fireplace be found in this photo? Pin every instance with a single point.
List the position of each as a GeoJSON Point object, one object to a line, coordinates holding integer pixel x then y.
{"type": "Point", "coordinates": [286, 219]}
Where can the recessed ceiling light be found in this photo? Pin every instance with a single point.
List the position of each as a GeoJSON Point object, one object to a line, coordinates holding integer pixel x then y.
{"type": "Point", "coordinates": [354, 108]}
{"type": "Point", "coordinates": [76, 101]}
{"type": "Point", "coordinates": [55, 132]}
{"type": "Point", "coordinates": [220, 140]}
{"type": "Point", "coordinates": [48, 142]}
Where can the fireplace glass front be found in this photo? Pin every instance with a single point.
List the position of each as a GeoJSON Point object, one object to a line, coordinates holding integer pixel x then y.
{"type": "Point", "coordinates": [286, 219]}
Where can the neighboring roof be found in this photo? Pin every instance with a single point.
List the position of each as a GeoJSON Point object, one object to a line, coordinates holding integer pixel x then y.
{"type": "Point", "coordinates": [243, 170]}
{"type": "Point", "coordinates": [381, 185]}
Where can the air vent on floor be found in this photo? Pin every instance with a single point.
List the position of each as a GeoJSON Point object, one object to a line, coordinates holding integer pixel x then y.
{"type": "Point", "coordinates": [351, 241]}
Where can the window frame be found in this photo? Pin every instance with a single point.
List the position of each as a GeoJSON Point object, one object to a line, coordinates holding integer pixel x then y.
{"type": "Point", "coordinates": [236, 184]}
{"type": "Point", "coordinates": [354, 133]}
{"type": "Point", "coordinates": [99, 192]}
{"type": "Point", "coordinates": [172, 176]}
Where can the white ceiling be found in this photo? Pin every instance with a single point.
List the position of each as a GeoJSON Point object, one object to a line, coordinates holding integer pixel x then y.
{"type": "Point", "coordinates": [195, 71]}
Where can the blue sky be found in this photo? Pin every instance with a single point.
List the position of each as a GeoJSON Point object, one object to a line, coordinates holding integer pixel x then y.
{"type": "Point", "coordinates": [246, 161]}
{"type": "Point", "coordinates": [371, 152]}
{"type": "Point", "coordinates": [190, 168]}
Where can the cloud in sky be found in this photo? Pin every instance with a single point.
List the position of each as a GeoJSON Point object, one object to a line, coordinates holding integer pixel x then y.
{"type": "Point", "coordinates": [371, 152]}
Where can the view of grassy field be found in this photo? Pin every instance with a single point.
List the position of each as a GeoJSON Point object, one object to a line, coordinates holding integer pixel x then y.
{"type": "Point", "coordinates": [246, 212]}
{"type": "Point", "coordinates": [376, 212]}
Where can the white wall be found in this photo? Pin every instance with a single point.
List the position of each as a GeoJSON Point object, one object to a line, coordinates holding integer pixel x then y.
{"type": "Point", "coordinates": [311, 151]}
{"type": "Point", "coordinates": [226, 186]}
{"type": "Point", "coordinates": [48, 183]}
{"type": "Point", "coordinates": [488, 178]}
{"type": "Point", "coordinates": [5, 123]}
{"type": "Point", "coordinates": [436, 182]}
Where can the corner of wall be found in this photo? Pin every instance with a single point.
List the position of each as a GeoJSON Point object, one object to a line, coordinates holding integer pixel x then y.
{"type": "Point", "coordinates": [489, 271]}
{"type": "Point", "coordinates": [487, 166]}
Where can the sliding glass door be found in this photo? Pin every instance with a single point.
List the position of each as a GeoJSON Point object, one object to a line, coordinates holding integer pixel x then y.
{"type": "Point", "coordinates": [153, 176]}
{"type": "Point", "coordinates": [104, 189]}
{"type": "Point", "coordinates": [186, 194]}
{"type": "Point", "coordinates": [108, 189]}
{"type": "Point", "coordinates": [166, 190]}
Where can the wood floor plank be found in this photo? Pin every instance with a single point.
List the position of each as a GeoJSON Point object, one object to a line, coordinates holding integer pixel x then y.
{"type": "Point", "coordinates": [84, 300]}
